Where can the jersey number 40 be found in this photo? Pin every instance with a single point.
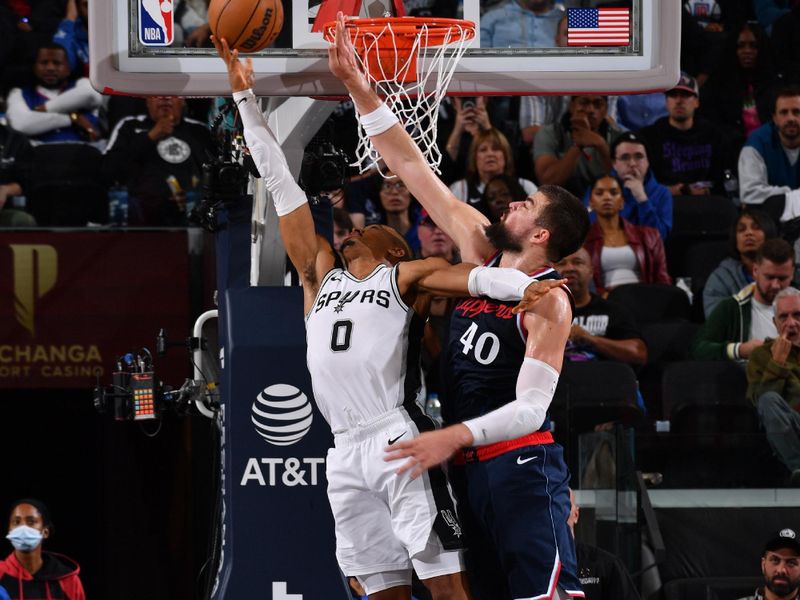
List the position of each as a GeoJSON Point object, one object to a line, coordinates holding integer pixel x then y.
{"type": "Point", "coordinates": [486, 347]}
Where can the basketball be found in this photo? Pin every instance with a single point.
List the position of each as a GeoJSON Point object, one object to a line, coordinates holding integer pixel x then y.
{"type": "Point", "coordinates": [248, 25]}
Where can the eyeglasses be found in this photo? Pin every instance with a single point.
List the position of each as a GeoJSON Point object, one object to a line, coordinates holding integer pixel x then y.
{"type": "Point", "coordinates": [393, 185]}
{"type": "Point", "coordinates": [637, 156]}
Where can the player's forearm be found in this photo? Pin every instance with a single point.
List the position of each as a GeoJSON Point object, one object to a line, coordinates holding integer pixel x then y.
{"type": "Point", "coordinates": [536, 385]}
{"type": "Point", "coordinates": [457, 219]}
{"type": "Point", "coordinates": [268, 156]}
{"type": "Point", "coordinates": [296, 222]}
{"type": "Point", "coordinates": [467, 279]}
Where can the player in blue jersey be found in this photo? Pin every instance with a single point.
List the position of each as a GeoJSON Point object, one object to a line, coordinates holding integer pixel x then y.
{"type": "Point", "coordinates": [503, 369]}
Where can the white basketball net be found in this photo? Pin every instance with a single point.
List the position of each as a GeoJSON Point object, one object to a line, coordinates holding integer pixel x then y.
{"type": "Point", "coordinates": [415, 103]}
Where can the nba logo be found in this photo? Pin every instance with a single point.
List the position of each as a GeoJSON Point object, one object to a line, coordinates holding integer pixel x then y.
{"type": "Point", "coordinates": [156, 22]}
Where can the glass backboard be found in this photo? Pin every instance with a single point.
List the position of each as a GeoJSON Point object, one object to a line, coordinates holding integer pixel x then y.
{"type": "Point", "coordinates": [514, 51]}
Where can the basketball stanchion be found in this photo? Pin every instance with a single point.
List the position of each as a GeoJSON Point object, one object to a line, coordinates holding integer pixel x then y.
{"type": "Point", "coordinates": [409, 62]}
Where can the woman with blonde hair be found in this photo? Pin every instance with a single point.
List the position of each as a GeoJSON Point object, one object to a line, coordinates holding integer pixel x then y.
{"type": "Point", "coordinates": [489, 155]}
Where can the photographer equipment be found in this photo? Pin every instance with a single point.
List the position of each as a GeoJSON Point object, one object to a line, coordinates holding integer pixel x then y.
{"type": "Point", "coordinates": [226, 175]}
{"type": "Point", "coordinates": [324, 169]}
{"type": "Point", "coordinates": [137, 395]}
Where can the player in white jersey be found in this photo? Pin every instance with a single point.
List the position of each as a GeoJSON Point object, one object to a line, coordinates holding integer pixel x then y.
{"type": "Point", "coordinates": [363, 339]}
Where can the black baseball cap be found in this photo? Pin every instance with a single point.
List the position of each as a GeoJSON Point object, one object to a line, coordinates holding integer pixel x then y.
{"type": "Point", "coordinates": [626, 136]}
{"type": "Point", "coordinates": [785, 538]}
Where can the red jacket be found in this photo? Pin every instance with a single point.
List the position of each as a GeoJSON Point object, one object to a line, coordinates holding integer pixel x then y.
{"type": "Point", "coordinates": [57, 579]}
{"type": "Point", "coordinates": [647, 246]}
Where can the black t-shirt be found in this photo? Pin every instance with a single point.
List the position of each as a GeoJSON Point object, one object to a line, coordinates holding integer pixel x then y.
{"type": "Point", "coordinates": [697, 154]}
{"type": "Point", "coordinates": [603, 318]}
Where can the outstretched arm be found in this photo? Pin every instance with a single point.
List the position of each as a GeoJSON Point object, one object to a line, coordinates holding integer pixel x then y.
{"type": "Point", "coordinates": [548, 327]}
{"type": "Point", "coordinates": [309, 255]}
{"type": "Point", "coordinates": [437, 277]}
{"type": "Point", "coordinates": [460, 221]}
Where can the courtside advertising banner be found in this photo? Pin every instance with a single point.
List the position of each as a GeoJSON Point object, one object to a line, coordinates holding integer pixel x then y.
{"type": "Point", "coordinates": [73, 302]}
{"type": "Point", "coordinates": [279, 536]}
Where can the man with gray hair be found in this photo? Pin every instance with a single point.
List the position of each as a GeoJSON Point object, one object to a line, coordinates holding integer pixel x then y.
{"type": "Point", "coordinates": [773, 377]}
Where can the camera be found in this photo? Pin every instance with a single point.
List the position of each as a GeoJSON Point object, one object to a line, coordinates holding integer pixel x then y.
{"type": "Point", "coordinates": [467, 102]}
{"type": "Point", "coordinates": [225, 175]}
{"type": "Point", "coordinates": [136, 394]}
{"type": "Point", "coordinates": [324, 169]}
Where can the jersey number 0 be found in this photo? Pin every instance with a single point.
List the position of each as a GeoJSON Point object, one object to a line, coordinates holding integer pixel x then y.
{"type": "Point", "coordinates": [340, 336]}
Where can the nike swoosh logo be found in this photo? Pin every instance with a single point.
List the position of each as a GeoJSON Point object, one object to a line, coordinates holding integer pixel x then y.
{"type": "Point", "coordinates": [241, 100]}
{"type": "Point", "coordinates": [392, 441]}
{"type": "Point", "coordinates": [522, 461]}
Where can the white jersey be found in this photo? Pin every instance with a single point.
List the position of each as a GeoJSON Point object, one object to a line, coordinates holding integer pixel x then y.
{"type": "Point", "coordinates": [363, 348]}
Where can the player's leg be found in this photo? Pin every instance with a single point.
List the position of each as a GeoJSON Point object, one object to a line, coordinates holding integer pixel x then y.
{"type": "Point", "coordinates": [441, 571]}
{"type": "Point", "coordinates": [530, 503]}
{"type": "Point", "coordinates": [365, 543]}
{"type": "Point", "coordinates": [484, 573]}
{"type": "Point", "coordinates": [395, 593]}
{"type": "Point", "coordinates": [388, 585]}
{"type": "Point", "coordinates": [423, 515]}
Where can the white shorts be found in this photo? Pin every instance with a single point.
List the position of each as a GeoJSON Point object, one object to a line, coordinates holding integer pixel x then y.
{"type": "Point", "coordinates": [384, 521]}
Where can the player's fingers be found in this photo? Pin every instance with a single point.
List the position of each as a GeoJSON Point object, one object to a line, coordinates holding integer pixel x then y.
{"type": "Point", "coordinates": [392, 454]}
{"type": "Point", "coordinates": [408, 465]}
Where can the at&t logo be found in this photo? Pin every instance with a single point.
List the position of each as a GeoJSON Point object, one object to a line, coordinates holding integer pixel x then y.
{"type": "Point", "coordinates": [282, 414]}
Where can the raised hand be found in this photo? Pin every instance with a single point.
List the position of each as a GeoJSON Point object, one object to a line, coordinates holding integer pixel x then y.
{"type": "Point", "coordinates": [163, 128]}
{"type": "Point", "coordinates": [780, 349]}
{"type": "Point", "coordinates": [342, 59]}
{"type": "Point", "coordinates": [240, 75]}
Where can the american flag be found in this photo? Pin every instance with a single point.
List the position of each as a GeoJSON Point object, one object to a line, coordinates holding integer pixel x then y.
{"type": "Point", "coordinates": [598, 26]}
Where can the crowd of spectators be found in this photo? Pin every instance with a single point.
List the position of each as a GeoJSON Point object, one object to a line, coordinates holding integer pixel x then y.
{"type": "Point", "coordinates": [47, 99]}
{"type": "Point", "coordinates": [728, 132]}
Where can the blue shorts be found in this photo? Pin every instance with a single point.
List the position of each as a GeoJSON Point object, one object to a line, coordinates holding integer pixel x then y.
{"type": "Point", "coordinates": [514, 510]}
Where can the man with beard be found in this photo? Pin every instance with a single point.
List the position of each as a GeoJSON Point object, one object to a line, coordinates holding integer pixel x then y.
{"type": "Point", "coordinates": [773, 376]}
{"type": "Point", "coordinates": [780, 565]}
{"type": "Point", "coordinates": [502, 370]}
{"type": "Point", "coordinates": [56, 109]}
{"type": "Point", "coordinates": [740, 323]}
{"type": "Point", "coordinates": [688, 153]}
{"type": "Point", "coordinates": [769, 169]}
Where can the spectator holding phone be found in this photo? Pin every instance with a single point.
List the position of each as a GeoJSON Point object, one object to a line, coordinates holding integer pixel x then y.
{"type": "Point", "coordinates": [575, 150]}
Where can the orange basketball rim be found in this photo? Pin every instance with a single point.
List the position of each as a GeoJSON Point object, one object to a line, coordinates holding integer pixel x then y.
{"type": "Point", "coordinates": [389, 47]}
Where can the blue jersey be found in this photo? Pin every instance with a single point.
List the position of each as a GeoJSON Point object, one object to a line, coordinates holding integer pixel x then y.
{"type": "Point", "coordinates": [484, 355]}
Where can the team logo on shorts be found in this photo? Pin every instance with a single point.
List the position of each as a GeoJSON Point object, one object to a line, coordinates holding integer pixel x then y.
{"type": "Point", "coordinates": [282, 414]}
{"type": "Point", "coordinates": [156, 22]}
{"type": "Point", "coordinates": [451, 521]}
